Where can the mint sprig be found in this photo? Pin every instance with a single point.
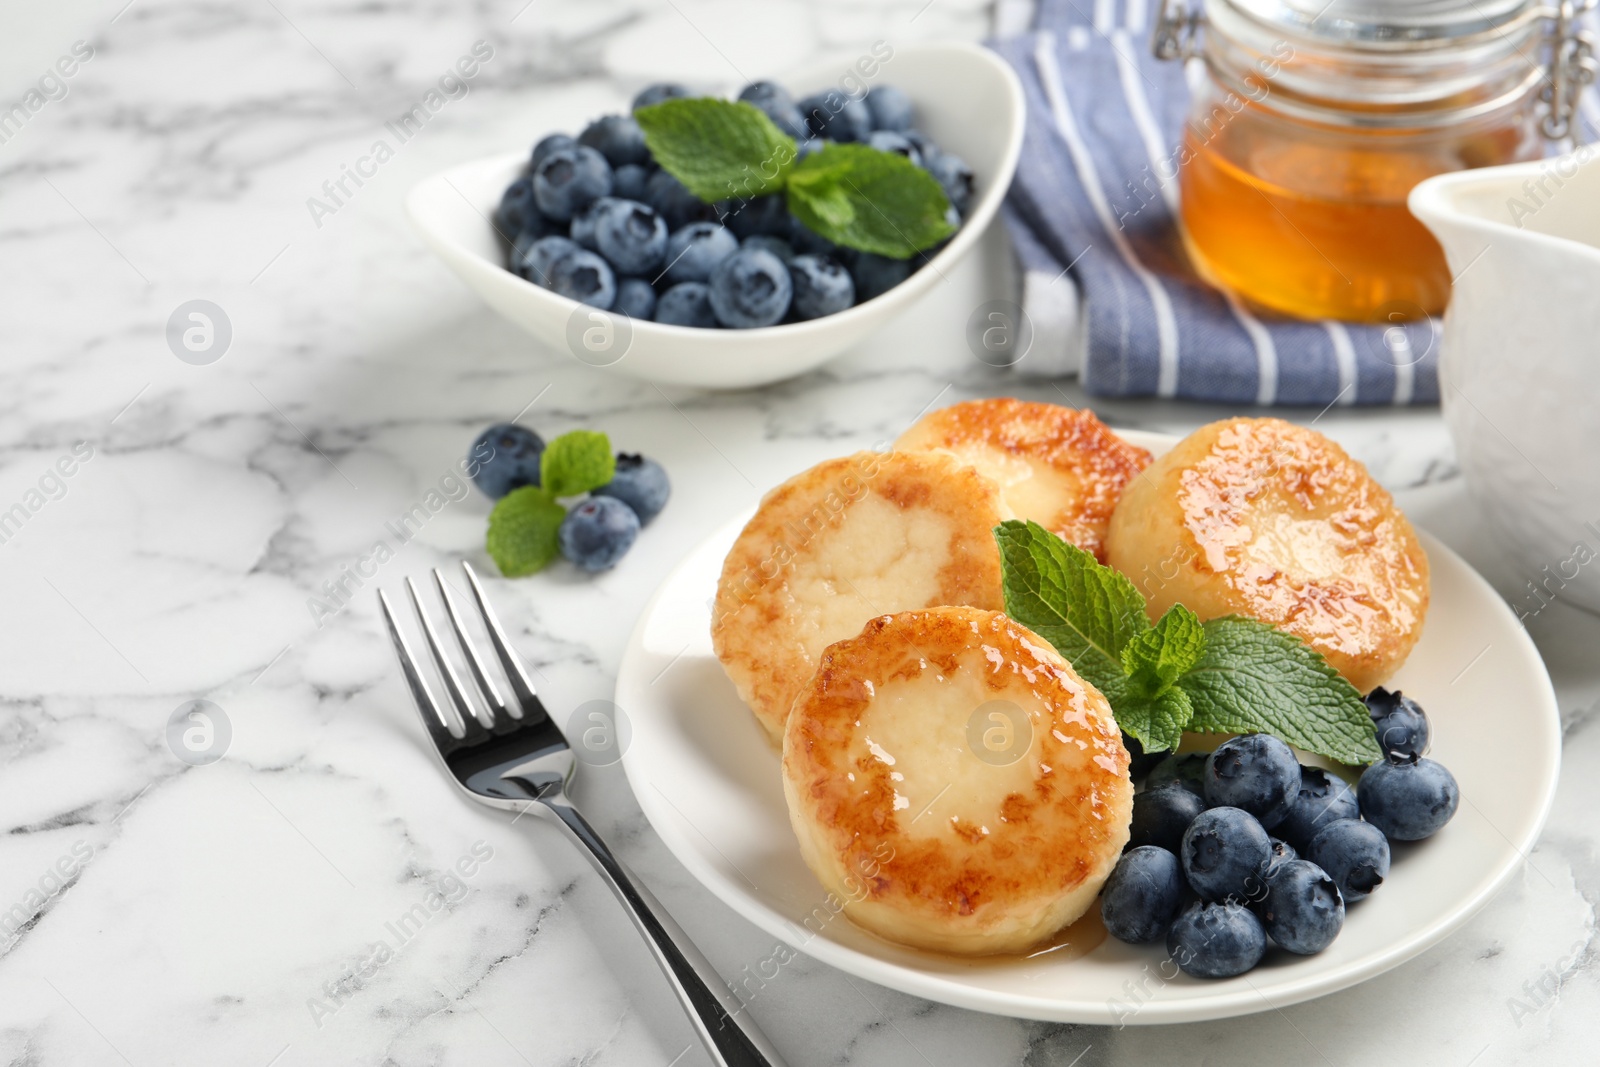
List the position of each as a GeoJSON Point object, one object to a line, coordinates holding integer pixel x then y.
{"type": "Point", "coordinates": [1228, 675]}
{"type": "Point", "coordinates": [576, 462]}
{"type": "Point", "coordinates": [852, 194]}
{"type": "Point", "coordinates": [522, 531]}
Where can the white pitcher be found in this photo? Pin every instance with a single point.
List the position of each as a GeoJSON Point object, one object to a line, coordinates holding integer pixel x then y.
{"type": "Point", "coordinates": [1520, 362]}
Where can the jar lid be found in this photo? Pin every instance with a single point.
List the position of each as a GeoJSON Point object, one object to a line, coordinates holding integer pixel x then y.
{"type": "Point", "coordinates": [1378, 23]}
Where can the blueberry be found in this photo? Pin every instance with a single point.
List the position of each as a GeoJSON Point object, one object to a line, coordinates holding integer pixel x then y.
{"type": "Point", "coordinates": [808, 242]}
{"type": "Point", "coordinates": [694, 251]}
{"type": "Point", "coordinates": [657, 93]}
{"type": "Point", "coordinates": [583, 224]}
{"type": "Point", "coordinates": [1408, 800]}
{"type": "Point", "coordinates": [1216, 940]}
{"type": "Point", "coordinates": [1400, 723]}
{"type": "Point", "coordinates": [891, 108]}
{"type": "Point", "coordinates": [1282, 852]}
{"type": "Point", "coordinates": [1161, 815]}
{"type": "Point", "coordinates": [1143, 895]}
{"type": "Point", "coordinates": [584, 277]}
{"type": "Point", "coordinates": [569, 179]}
{"type": "Point", "coordinates": [923, 144]}
{"type": "Point", "coordinates": [1188, 770]}
{"type": "Point", "coordinates": [779, 106]}
{"type": "Point", "coordinates": [631, 236]}
{"type": "Point", "coordinates": [517, 210]}
{"type": "Point", "coordinates": [535, 262]}
{"type": "Point", "coordinates": [598, 532]}
{"type": "Point", "coordinates": [639, 483]}
{"type": "Point", "coordinates": [1140, 762]}
{"type": "Point", "coordinates": [749, 289]}
{"type": "Point", "coordinates": [821, 286]}
{"type": "Point", "coordinates": [1256, 772]}
{"type": "Point", "coordinates": [1321, 799]}
{"type": "Point", "coordinates": [675, 203]}
{"type": "Point", "coordinates": [954, 176]}
{"type": "Point", "coordinates": [1354, 853]}
{"type": "Point", "coordinates": [1303, 911]}
{"type": "Point", "coordinates": [768, 243]}
{"type": "Point", "coordinates": [876, 275]}
{"type": "Point", "coordinates": [618, 138]}
{"type": "Point", "coordinates": [760, 215]}
{"type": "Point", "coordinates": [687, 304]}
{"type": "Point", "coordinates": [889, 141]}
{"type": "Point", "coordinates": [836, 116]}
{"type": "Point", "coordinates": [503, 458]}
{"type": "Point", "coordinates": [1224, 852]}
{"type": "Point", "coordinates": [636, 298]}
{"type": "Point", "coordinates": [631, 181]}
{"type": "Point", "coordinates": [546, 145]}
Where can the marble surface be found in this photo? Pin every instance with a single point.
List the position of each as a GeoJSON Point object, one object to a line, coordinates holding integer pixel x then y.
{"type": "Point", "coordinates": [245, 911]}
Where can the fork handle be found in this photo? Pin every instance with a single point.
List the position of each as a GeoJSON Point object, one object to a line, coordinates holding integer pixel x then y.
{"type": "Point", "coordinates": [724, 1027]}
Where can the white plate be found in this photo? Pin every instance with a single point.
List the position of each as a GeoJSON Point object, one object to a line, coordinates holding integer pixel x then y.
{"type": "Point", "coordinates": [709, 783]}
{"type": "Point", "coordinates": [968, 100]}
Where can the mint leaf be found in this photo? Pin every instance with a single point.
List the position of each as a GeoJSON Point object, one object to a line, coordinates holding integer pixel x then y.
{"type": "Point", "coordinates": [1157, 722]}
{"type": "Point", "coordinates": [1253, 677]}
{"type": "Point", "coordinates": [576, 462]}
{"type": "Point", "coordinates": [870, 200]}
{"type": "Point", "coordinates": [719, 149]}
{"type": "Point", "coordinates": [1154, 659]}
{"type": "Point", "coordinates": [522, 531]}
{"type": "Point", "coordinates": [1088, 611]}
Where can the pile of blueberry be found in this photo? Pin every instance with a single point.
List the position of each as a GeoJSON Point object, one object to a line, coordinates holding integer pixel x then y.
{"type": "Point", "coordinates": [596, 220]}
{"type": "Point", "coordinates": [1243, 845]}
{"type": "Point", "coordinates": [595, 533]}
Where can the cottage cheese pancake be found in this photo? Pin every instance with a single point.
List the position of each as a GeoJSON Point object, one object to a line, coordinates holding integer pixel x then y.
{"type": "Point", "coordinates": [955, 783]}
{"type": "Point", "coordinates": [1063, 469]}
{"type": "Point", "coordinates": [847, 540]}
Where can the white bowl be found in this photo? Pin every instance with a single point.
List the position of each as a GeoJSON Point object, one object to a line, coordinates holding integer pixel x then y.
{"type": "Point", "coordinates": [968, 100]}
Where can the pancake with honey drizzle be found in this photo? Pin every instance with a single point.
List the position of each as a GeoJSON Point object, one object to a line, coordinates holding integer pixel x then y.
{"type": "Point", "coordinates": [1063, 469]}
{"type": "Point", "coordinates": [832, 547]}
{"type": "Point", "coordinates": [955, 783]}
{"type": "Point", "coordinates": [1263, 518]}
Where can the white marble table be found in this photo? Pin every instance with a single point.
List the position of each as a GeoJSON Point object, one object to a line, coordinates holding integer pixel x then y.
{"type": "Point", "coordinates": [157, 912]}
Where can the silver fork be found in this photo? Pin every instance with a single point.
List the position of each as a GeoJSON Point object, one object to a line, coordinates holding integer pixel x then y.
{"type": "Point", "coordinates": [512, 755]}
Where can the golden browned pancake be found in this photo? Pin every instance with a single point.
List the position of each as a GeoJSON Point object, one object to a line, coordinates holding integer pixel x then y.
{"type": "Point", "coordinates": [1263, 518]}
{"type": "Point", "coordinates": [955, 783]}
{"type": "Point", "coordinates": [1063, 469]}
{"type": "Point", "coordinates": [846, 540]}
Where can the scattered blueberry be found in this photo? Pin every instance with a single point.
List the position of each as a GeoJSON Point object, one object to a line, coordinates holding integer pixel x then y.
{"type": "Point", "coordinates": [1188, 770]}
{"type": "Point", "coordinates": [821, 286]}
{"type": "Point", "coordinates": [891, 108]}
{"type": "Point", "coordinates": [631, 236]}
{"type": "Point", "coordinates": [1143, 895]}
{"type": "Point", "coordinates": [570, 178]}
{"type": "Point", "coordinates": [759, 215]}
{"type": "Point", "coordinates": [768, 243]}
{"type": "Point", "coordinates": [1354, 853]}
{"type": "Point", "coordinates": [1322, 798]}
{"type": "Point", "coordinates": [890, 141]}
{"type": "Point", "coordinates": [876, 275]}
{"type": "Point", "coordinates": [838, 117]}
{"type": "Point", "coordinates": [1216, 940]}
{"type": "Point", "coordinates": [597, 533]}
{"type": "Point", "coordinates": [584, 277]}
{"type": "Point", "coordinates": [1408, 800]}
{"type": "Point", "coordinates": [1225, 852]}
{"type": "Point", "coordinates": [547, 145]}
{"type": "Point", "coordinates": [694, 251]}
{"type": "Point", "coordinates": [1400, 723]}
{"type": "Point", "coordinates": [657, 93]}
{"type": "Point", "coordinates": [1282, 852]}
{"type": "Point", "coordinates": [687, 304]}
{"type": "Point", "coordinates": [1256, 772]}
{"type": "Point", "coordinates": [675, 203]}
{"type": "Point", "coordinates": [1161, 815]}
{"type": "Point", "coordinates": [618, 138]}
{"type": "Point", "coordinates": [639, 483]}
{"type": "Point", "coordinates": [503, 458]}
{"type": "Point", "coordinates": [534, 264]}
{"type": "Point", "coordinates": [517, 209]}
{"type": "Point", "coordinates": [749, 289]}
{"type": "Point", "coordinates": [631, 181]}
{"type": "Point", "coordinates": [779, 106]}
{"type": "Point", "coordinates": [954, 176]}
{"type": "Point", "coordinates": [636, 298]}
{"type": "Point", "coordinates": [1303, 911]}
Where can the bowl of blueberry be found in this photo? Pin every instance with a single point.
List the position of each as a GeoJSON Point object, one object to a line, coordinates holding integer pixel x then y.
{"type": "Point", "coordinates": [731, 240]}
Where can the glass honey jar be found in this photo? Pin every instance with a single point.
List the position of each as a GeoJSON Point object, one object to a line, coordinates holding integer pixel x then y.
{"type": "Point", "coordinates": [1317, 117]}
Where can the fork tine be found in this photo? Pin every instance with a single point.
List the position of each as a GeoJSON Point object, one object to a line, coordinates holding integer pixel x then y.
{"type": "Point", "coordinates": [467, 714]}
{"type": "Point", "coordinates": [498, 711]}
{"type": "Point", "coordinates": [521, 685]}
{"type": "Point", "coordinates": [438, 724]}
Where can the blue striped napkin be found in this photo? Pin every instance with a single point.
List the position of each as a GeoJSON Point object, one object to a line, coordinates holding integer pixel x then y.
{"type": "Point", "coordinates": [1120, 303]}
